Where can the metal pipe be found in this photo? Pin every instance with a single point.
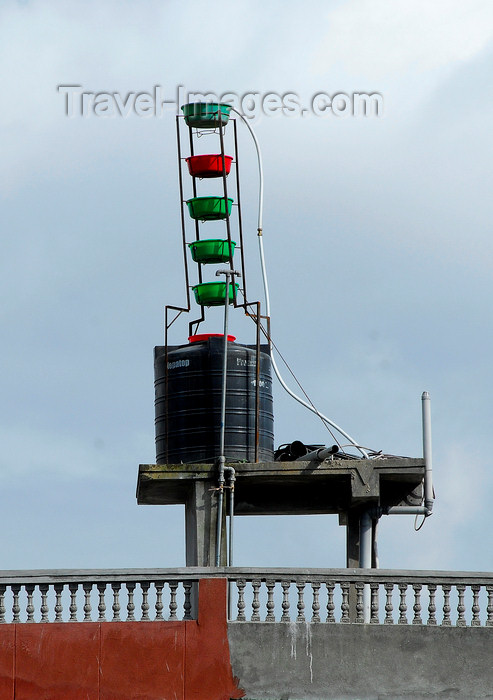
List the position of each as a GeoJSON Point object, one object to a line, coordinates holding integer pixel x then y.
{"type": "Point", "coordinates": [220, 497]}
{"type": "Point", "coordinates": [427, 455]}
{"type": "Point", "coordinates": [222, 458]}
{"type": "Point", "coordinates": [365, 557]}
{"type": "Point", "coordinates": [229, 274]}
{"type": "Point", "coordinates": [232, 479]}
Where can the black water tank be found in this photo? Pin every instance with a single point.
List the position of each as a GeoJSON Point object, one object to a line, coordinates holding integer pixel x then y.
{"type": "Point", "coordinates": [191, 430]}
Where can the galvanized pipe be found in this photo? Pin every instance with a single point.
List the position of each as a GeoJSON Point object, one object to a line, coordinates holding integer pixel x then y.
{"type": "Point", "coordinates": [232, 479]}
{"type": "Point", "coordinates": [229, 274]}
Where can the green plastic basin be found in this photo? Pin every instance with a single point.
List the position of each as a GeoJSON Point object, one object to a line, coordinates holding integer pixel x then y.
{"type": "Point", "coordinates": [208, 208]}
{"type": "Point", "coordinates": [206, 115]}
{"type": "Point", "coordinates": [213, 293]}
{"type": "Point", "coordinates": [212, 250]}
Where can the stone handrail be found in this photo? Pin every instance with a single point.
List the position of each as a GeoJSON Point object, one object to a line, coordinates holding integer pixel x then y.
{"type": "Point", "coordinates": [94, 595]}
{"type": "Point", "coordinates": [445, 598]}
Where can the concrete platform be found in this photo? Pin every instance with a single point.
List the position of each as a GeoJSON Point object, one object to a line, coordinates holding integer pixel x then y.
{"type": "Point", "coordinates": [292, 488]}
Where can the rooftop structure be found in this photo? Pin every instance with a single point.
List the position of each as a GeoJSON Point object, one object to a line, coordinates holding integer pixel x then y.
{"type": "Point", "coordinates": [213, 631]}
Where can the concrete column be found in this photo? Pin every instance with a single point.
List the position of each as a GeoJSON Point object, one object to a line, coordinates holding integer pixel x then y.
{"type": "Point", "coordinates": [200, 525]}
{"type": "Point", "coordinates": [352, 555]}
{"type": "Point", "coordinates": [352, 540]}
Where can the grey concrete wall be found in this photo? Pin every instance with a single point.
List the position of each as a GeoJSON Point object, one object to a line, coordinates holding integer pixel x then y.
{"type": "Point", "coordinates": [293, 661]}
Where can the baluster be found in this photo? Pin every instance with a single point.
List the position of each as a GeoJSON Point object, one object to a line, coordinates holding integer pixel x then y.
{"type": "Point", "coordinates": [15, 603]}
{"type": "Point", "coordinates": [432, 606]}
{"type": "Point", "coordinates": [285, 585]}
{"type": "Point", "coordinates": [345, 602]}
{"type": "Point", "coordinates": [187, 604]}
{"type": "Point", "coordinates": [270, 601]}
{"type": "Point", "coordinates": [360, 618]}
{"type": "Point", "coordinates": [315, 603]}
{"type": "Point", "coordinates": [374, 603]}
{"type": "Point", "coordinates": [446, 622]}
{"type": "Point", "coordinates": [116, 601]}
{"type": "Point", "coordinates": [255, 602]}
{"type": "Point", "coordinates": [130, 601]}
{"type": "Point", "coordinates": [301, 603]}
{"type": "Point", "coordinates": [87, 601]}
{"type": "Point", "coordinates": [73, 588]}
{"type": "Point", "coordinates": [389, 588]}
{"type": "Point", "coordinates": [2, 604]}
{"type": "Point", "coordinates": [240, 584]}
{"type": "Point", "coordinates": [461, 608]}
{"type": "Point", "coordinates": [402, 604]}
{"type": "Point", "coordinates": [144, 585]}
{"type": "Point", "coordinates": [102, 602]}
{"type": "Point", "coordinates": [489, 609]}
{"type": "Point", "coordinates": [475, 622]}
{"type": "Point", "coordinates": [43, 589]}
{"type": "Point", "coordinates": [30, 606]}
{"type": "Point", "coordinates": [58, 602]}
{"type": "Point", "coordinates": [417, 604]}
{"type": "Point", "coordinates": [173, 605]}
{"type": "Point", "coordinates": [330, 601]}
{"type": "Point", "coordinates": [158, 585]}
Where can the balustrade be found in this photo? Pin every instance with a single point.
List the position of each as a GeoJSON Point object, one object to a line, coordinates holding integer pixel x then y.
{"type": "Point", "coordinates": [93, 596]}
{"type": "Point", "coordinates": [306, 596]}
{"type": "Point", "coordinates": [396, 597]}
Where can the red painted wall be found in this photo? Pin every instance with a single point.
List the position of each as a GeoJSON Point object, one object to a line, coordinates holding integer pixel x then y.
{"type": "Point", "coordinates": [186, 660]}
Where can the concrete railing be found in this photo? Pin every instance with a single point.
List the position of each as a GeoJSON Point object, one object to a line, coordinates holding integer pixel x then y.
{"type": "Point", "coordinates": [256, 595]}
{"type": "Point", "coordinates": [337, 596]}
{"type": "Point", "coordinates": [98, 595]}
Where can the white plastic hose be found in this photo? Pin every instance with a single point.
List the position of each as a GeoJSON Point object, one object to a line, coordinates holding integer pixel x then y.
{"type": "Point", "coordinates": [267, 297]}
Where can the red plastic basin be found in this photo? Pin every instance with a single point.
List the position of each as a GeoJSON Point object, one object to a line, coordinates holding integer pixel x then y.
{"type": "Point", "coordinates": [210, 165]}
{"type": "Point", "coordinates": [205, 336]}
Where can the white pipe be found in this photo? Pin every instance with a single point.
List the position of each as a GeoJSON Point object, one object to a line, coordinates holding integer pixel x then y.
{"type": "Point", "coordinates": [260, 172]}
{"type": "Point", "coordinates": [407, 510]}
{"type": "Point", "coordinates": [267, 298]}
{"type": "Point", "coordinates": [427, 455]}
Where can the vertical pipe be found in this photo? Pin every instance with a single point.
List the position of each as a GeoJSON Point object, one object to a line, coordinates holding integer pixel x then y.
{"type": "Point", "coordinates": [365, 557]}
{"type": "Point", "coordinates": [231, 514]}
{"type": "Point", "coordinates": [232, 478]}
{"type": "Point", "coordinates": [182, 204]}
{"type": "Point", "coordinates": [257, 386]}
{"type": "Point", "coordinates": [166, 412]}
{"type": "Point", "coordinates": [238, 203]}
{"type": "Point", "coordinates": [222, 458]}
{"type": "Point", "coordinates": [225, 196]}
{"type": "Point", "coordinates": [225, 364]}
{"type": "Point", "coordinates": [427, 455]}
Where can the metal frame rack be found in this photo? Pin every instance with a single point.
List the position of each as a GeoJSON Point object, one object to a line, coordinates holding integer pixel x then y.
{"type": "Point", "coordinates": [192, 231]}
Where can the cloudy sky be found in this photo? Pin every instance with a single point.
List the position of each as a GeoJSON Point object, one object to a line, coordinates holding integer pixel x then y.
{"type": "Point", "coordinates": [377, 238]}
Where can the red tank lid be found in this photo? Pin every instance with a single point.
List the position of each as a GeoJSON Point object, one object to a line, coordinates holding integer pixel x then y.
{"type": "Point", "coordinates": [206, 336]}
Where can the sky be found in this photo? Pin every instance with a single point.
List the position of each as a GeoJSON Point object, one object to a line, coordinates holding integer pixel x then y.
{"type": "Point", "coordinates": [377, 235]}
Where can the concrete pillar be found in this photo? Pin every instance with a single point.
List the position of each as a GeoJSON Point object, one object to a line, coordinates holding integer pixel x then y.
{"type": "Point", "coordinates": [352, 539]}
{"type": "Point", "coordinates": [200, 525]}
{"type": "Point", "coordinates": [352, 555]}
